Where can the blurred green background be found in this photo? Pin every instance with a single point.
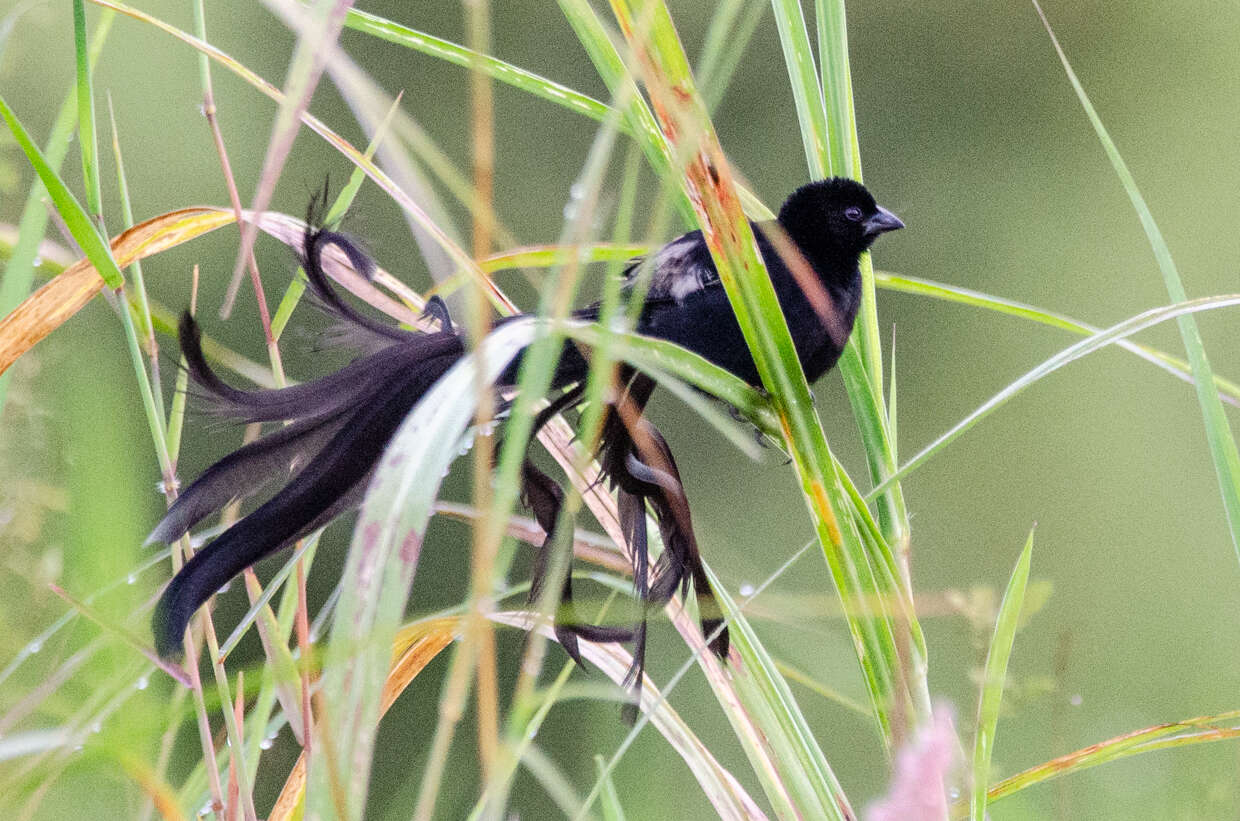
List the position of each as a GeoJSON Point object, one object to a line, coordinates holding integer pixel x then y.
{"type": "Point", "coordinates": [972, 134]}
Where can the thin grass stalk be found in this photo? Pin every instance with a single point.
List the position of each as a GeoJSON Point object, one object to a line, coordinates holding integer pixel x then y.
{"type": "Point", "coordinates": [86, 117]}
{"type": "Point", "coordinates": [861, 364]}
{"type": "Point", "coordinates": [478, 627]}
{"type": "Point", "coordinates": [1219, 437]}
{"type": "Point", "coordinates": [557, 298]}
{"type": "Point", "coordinates": [323, 21]}
{"type": "Point", "coordinates": [211, 113]}
{"type": "Point", "coordinates": [990, 694]}
{"type": "Point", "coordinates": [1229, 391]}
{"type": "Point", "coordinates": [144, 303]}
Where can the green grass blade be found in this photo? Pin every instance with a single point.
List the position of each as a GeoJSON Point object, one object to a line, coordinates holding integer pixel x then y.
{"type": "Point", "coordinates": [80, 225]}
{"type": "Point", "coordinates": [828, 133]}
{"type": "Point", "coordinates": [1192, 731]}
{"type": "Point", "coordinates": [803, 79]}
{"type": "Point", "coordinates": [1086, 346]}
{"type": "Point", "coordinates": [726, 41]}
{"type": "Point", "coordinates": [19, 271]}
{"type": "Point", "coordinates": [86, 115]}
{"type": "Point", "coordinates": [378, 572]}
{"type": "Point", "coordinates": [994, 675]}
{"type": "Point", "coordinates": [619, 81]}
{"type": "Point", "coordinates": [861, 364]}
{"type": "Point", "coordinates": [804, 772]}
{"type": "Point", "coordinates": [609, 798]}
{"type": "Point", "coordinates": [1218, 433]}
{"type": "Point", "coordinates": [661, 356]}
{"type": "Point", "coordinates": [1229, 391]}
{"type": "Point", "coordinates": [465, 57]}
{"type": "Point", "coordinates": [843, 148]}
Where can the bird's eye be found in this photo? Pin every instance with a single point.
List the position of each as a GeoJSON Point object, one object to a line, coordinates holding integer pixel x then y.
{"type": "Point", "coordinates": [852, 213]}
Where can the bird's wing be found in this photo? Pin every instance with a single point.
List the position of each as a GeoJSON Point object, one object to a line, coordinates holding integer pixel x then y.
{"type": "Point", "coordinates": [680, 268]}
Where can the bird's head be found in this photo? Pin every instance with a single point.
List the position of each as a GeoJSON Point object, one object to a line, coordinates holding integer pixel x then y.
{"type": "Point", "coordinates": [838, 212]}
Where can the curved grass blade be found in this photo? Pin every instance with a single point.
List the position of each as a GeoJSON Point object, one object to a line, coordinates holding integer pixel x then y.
{"type": "Point", "coordinates": [1218, 432]}
{"type": "Point", "coordinates": [1229, 391]}
{"type": "Point", "coordinates": [379, 570]}
{"type": "Point", "coordinates": [1191, 731]}
{"type": "Point", "coordinates": [415, 646]}
{"type": "Point", "coordinates": [1086, 346]}
{"type": "Point", "coordinates": [658, 356]}
{"type": "Point", "coordinates": [609, 798]}
{"type": "Point", "coordinates": [79, 223]}
{"type": "Point", "coordinates": [62, 297]}
{"type": "Point", "coordinates": [462, 56]}
{"type": "Point", "coordinates": [721, 788]}
{"type": "Point", "coordinates": [995, 674]}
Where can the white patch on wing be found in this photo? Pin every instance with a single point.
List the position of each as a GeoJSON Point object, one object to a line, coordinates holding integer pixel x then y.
{"type": "Point", "coordinates": [678, 269]}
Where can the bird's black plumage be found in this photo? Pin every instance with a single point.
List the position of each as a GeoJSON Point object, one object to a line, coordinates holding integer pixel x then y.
{"type": "Point", "coordinates": [341, 423]}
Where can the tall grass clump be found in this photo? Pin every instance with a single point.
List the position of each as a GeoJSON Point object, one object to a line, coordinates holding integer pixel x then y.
{"type": "Point", "coordinates": [307, 714]}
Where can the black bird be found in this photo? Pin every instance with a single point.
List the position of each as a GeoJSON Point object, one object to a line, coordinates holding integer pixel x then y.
{"type": "Point", "coordinates": [341, 423]}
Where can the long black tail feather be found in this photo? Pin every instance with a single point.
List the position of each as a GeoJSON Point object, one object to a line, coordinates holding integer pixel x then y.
{"type": "Point", "coordinates": [340, 426]}
{"type": "Point", "coordinates": [316, 240]}
{"type": "Point", "coordinates": [310, 499]}
{"type": "Point", "coordinates": [243, 473]}
{"type": "Point", "coordinates": [327, 396]}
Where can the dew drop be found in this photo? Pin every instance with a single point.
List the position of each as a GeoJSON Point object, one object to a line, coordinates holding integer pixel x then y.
{"type": "Point", "coordinates": [746, 589]}
{"type": "Point", "coordinates": [131, 579]}
{"type": "Point", "coordinates": [96, 727]}
{"type": "Point", "coordinates": [142, 683]}
{"type": "Point", "coordinates": [34, 647]}
{"type": "Point", "coordinates": [1076, 700]}
{"type": "Point", "coordinates": [266, 743]}
{"type": "Point", "coordinates": [37, 262]}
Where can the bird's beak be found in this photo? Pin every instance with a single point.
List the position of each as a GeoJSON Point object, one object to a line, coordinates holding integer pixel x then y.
{"type": "Point", "coordinates": [882, 221]}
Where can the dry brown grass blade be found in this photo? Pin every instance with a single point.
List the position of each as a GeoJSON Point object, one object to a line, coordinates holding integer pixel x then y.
{"type": "Point", "coordinates": [51, 305]}
{"type": "Point", "coordinates": [47, 308]}
{"type": "Point", "coordinates": [415, 647]}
